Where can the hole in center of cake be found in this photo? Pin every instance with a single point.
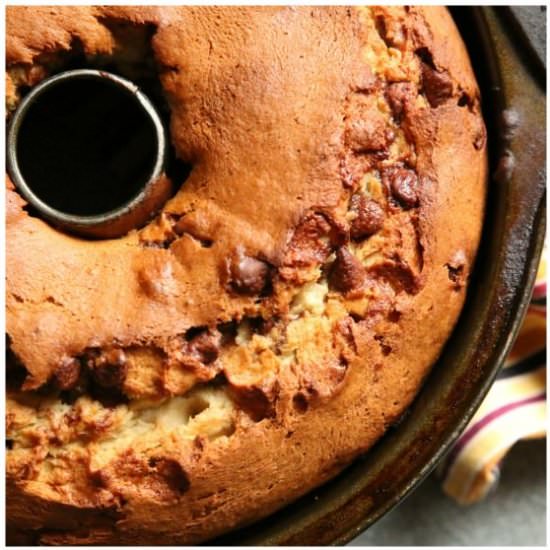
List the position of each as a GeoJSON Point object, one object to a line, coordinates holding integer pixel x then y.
{"type": "Point", "coordinates": [85, 145]}
{"type": "Point", "coordinates": [86, 149]}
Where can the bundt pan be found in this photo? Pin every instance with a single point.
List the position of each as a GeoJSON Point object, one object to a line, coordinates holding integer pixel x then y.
{"type": "Point", "coordinates": [511, 72]}
{"type": "Point", "coordinates": [512, 80]}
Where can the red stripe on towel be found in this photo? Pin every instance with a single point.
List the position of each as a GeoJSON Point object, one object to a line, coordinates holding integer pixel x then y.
{"type": "Point", "coordinates": [474, 429]}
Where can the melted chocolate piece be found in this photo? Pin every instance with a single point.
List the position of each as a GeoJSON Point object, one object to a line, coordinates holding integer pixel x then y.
{"type": "Point", "coordinates": [347, 272]}
{"type": "Point", "coordinates": [67, 374]}
{"type": "Point", "coordinates": [205, 346]}
{"type": "Point", "coordinates": [437, 85]}
{"type": "Point", "coordinates": [403, 185]}
{"type": "Point", "coordinates": [109, 368]}
{"type": "Point", "coordinates": [369, 220]}
{"type": "Point", "coordinates": [248, 275]}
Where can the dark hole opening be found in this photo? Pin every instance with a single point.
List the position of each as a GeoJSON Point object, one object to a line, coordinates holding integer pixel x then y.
{"type": "Point", "coordinates": [86, 146]}
{"type": "Point", "coordinates": [464, 100]}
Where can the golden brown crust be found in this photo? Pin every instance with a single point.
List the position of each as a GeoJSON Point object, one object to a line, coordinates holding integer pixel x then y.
{"type": "Point", "coordinates": [282, 310]}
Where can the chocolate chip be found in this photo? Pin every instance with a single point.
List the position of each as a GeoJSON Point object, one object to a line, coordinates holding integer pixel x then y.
{"type": "Point", "coordinates": [370, 217]}
{"type": "Point", "coordinates": [437, 85]}
{"type": "Point", "coordinates": [248, 275]}
{"type": "Point", "coordinates": [206, 346]}
{"type": "Point", "coordinates": [67, 373]}
{"type": "Point", "coordinates": [314, 238]}
{"type": "Point", "coordinates": [109, 368]}
{"type": "Point", "coordinates": [347, 272]}
{"type": "Point", "coordinates": [403, 185]}
{"type": "Point", "coordinates": [79, 388]}
{"type": "Point", "coordinates": [110, 376]}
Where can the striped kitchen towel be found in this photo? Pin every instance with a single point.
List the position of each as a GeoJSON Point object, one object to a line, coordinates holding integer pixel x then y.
{"type": "Point", "coordinates": [514, 409]}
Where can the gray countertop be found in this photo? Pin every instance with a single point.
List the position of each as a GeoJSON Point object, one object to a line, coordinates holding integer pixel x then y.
{"type": "Point", "coordinates": [514, 514]}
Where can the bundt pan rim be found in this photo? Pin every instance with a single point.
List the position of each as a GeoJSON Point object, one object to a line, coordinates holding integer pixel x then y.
{"type": "Point", "coordinates": [498, 297]}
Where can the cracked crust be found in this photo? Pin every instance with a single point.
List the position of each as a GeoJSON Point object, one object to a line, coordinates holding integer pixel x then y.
{"type": "Point", "coordinates": [283, 308]}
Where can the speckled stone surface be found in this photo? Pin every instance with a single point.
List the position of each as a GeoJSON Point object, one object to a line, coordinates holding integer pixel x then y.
{"type": "Point", "coordinates": [532, 19]}
{"type": "Point", "coordinates": [514, 514]}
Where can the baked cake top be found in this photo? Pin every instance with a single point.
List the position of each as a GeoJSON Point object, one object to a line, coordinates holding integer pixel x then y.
{"type": "Point", "coordinates": [282, 309]}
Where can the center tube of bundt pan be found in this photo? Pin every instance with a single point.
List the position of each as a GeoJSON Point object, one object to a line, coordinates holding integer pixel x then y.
{"type": "Point", "coordinates": [87, 150]}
